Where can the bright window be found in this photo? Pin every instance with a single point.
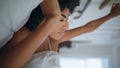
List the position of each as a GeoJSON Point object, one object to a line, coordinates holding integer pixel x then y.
{"type": "Point", "coordinates": [84, 63]}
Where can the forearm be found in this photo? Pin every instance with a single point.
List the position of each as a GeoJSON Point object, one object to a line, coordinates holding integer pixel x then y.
{"type": "Point", "coordinates": [96, 23]}
{"type": "Point", "coordinates": [50, 8]}
{"type": "Point", "coordinates": [115, 11]}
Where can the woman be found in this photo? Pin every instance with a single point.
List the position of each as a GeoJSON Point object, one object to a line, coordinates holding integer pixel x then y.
{"type": "Point", "coordinates": [22, 45]}
{"type": "Point", "coordinates": [15, 55]}
{"type": "Point", "coordinates": [61, 33]}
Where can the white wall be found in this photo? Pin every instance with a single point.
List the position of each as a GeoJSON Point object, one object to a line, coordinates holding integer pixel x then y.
{"type": "Point", "coordinates": [118, 53]}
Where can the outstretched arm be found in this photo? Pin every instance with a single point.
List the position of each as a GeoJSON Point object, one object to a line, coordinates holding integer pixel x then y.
{"type": "Point", "coordinates": [91, 26]}
{"type": "Point", "coordinates": [18, 55]}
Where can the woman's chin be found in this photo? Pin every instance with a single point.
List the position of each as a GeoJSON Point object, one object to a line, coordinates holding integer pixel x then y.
{"type": "Point", "coordinates": [56, 38]}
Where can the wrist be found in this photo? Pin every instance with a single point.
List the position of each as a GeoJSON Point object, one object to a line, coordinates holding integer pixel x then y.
{"type": "Point", "coordinates": [110, 16]}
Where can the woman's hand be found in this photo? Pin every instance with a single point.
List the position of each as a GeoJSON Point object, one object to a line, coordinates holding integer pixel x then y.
{"type": "Point", "coordinates": [115, 11]}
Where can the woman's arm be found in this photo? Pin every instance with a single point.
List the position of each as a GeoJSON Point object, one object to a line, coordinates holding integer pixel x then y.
{"type": "Point", "coordinates": [91, 26]}
{"type": "Point", "coordinates": [17, 56]}
{"type": "Point", "coordinates": [50, 11]}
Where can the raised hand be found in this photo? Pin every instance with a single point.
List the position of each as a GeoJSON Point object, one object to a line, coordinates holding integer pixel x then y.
{"type": "Point", "coordinates": [115, 11]}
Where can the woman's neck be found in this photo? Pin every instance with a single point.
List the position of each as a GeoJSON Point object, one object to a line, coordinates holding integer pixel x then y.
{"type": "Point", "coordinates": [54, 44]}
{"type": "Point", "coordinates": [45, 45]}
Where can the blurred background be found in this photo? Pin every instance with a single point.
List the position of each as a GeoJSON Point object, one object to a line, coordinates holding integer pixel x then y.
{"type": "Point", "coordinates": [97, 49]}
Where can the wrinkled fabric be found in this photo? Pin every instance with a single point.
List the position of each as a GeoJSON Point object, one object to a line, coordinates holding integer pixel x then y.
{"type": "Point", "coordinates": [46, 59]}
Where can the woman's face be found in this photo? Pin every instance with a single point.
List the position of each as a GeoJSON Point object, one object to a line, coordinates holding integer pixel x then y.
{"type": "Point", "coordinates": [59, 31]}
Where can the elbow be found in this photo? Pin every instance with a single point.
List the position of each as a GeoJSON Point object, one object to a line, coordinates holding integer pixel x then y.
{"type": "Point", "coordinates": [8, 65]}
{"type": "Point", "coordinates": [5, 63]}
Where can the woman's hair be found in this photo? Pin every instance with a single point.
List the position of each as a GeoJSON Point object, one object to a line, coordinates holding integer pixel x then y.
{"type": "Point", "coordinates": [37, 16]}
{"type": "Point", "coordinates": [70, 4]}
{"type": "Point", "coordinates": [35, 19]}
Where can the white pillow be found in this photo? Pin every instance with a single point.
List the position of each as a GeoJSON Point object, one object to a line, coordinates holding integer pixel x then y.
{"type": "Point", "coordinates": [13, 15]}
